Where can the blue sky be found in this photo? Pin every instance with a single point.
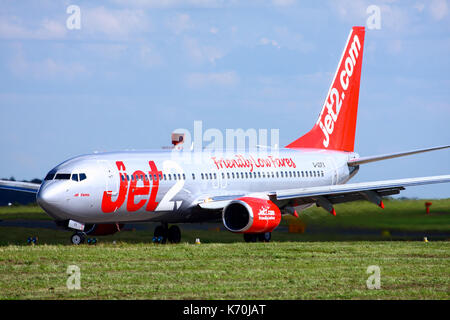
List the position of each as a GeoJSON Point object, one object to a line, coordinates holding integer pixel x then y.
{"type": "Point", "coordinates": [136, 70]}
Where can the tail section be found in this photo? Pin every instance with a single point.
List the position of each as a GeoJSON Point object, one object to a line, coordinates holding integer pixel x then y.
{"type": "Point", "coordinates": [335, 129]}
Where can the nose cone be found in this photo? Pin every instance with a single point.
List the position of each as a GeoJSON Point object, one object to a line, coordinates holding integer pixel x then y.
{"type": "Point", "coordinates": [49, 196]}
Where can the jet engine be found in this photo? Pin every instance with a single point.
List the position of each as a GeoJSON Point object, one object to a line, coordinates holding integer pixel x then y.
{"type": "Point", "coordinates": [251, 215]}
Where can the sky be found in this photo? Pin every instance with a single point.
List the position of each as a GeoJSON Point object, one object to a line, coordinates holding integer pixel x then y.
{"type": "Point", "coordinates": [131, 72]}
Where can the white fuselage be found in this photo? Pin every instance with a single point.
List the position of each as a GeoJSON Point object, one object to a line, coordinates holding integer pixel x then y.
{"type": "Point", "coordinates": [166, 186]}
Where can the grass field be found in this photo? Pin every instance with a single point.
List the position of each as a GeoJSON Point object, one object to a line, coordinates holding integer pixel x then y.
{"type": "Point", "coordinates": [293, 266]}
{"type": "Point", "coordinates": [285, 270]}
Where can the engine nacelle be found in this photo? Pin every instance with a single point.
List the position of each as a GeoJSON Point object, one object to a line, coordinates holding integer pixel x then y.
{"type": "Point", "coordinates": [251, 215]}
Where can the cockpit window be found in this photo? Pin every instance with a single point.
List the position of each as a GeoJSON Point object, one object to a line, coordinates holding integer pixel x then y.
{"type": "Point", "coordinates": [82, 176]}
{"type": "Point", "coordinates": [75, 177]}
{"type": "Point", "coordinates": [50, 176]}
{"type": "Point", "coordinates": [62, 176]}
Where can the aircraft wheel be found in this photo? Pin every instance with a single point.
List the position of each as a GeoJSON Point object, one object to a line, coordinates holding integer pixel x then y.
{"type": "Point", "coordinates": [77, 239]}
{"type": "Point", "coordinates": [265, 237]}
{"type": "Point", "coordinates": [160, 234]}
{"type": "Point", "coordinates": [174, 234]}
{"type": "Point", "coordinates": [250, 237]}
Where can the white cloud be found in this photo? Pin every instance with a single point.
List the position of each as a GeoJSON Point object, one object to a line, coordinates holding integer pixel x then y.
{"type": "Point", "coordinates": [14, 28]}
{"type": "Point", "coordinates": [283, 3]}
{"type": "Point", "coordinates": [438, 9]}
{"type": "Point", "coordinates": [214, 30]}
{"type": "Point", "coordinates": [419, 6]}
{"type": "Point", "coordinates": [202, 53]}
{"type": "Point", "coordinates": [149, 56]}
{"type": "Point", "coordinates": [266, 41]}
{"type": "Point", "coordinates": [178, 3]}
{"type": "Point", "coordinates": [199, 80]}
{"type": "Point", "coordinates": [114, 23]}
{"type": "Point", "coordinates": [44, 69]}
{"type": "Point", "coordinates": [180, 23]}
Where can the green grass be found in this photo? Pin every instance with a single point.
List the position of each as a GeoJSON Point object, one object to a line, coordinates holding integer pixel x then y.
{"type": "Point", "coordinates": [294, 266]}
{"type": "Point", "coordinates": [277, 270]}
{"type": "Point", "coordinates": [398, 215]}
{"type": "Point", "coordinates": [18, 212]}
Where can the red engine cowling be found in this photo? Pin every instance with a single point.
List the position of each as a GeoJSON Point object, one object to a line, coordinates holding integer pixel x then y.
{"type": "Point", "coordinates": [251, 215]}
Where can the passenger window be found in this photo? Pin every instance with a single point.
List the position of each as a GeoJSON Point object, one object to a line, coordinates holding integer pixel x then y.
{"type": "Point", "coordinates": [259, 174]}
{"type": "Point", "coordinates": [277, 174]}
{"type": "Point", "coordinates": [215, 176]}
{"type": "Point", "coordinates": [184, 176]}
{"type": "Point", "coordinates": [75, 177]}
{"type": "Point", "coordinates": [228, 175]}
{"type": "Point", "coordinates": [246, 175]}
{"type": "Point", "coordinates": [210, 176]}
{"type": "Point", "coordinates": [193, 176]}
{"type": "Point", "coordinates": [164, 176]}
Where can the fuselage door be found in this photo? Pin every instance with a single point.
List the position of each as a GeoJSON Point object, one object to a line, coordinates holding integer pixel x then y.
{"type": "Point", "coordinates": [334, 170]}
{"type": "Point", "coordinates": [111, 177]}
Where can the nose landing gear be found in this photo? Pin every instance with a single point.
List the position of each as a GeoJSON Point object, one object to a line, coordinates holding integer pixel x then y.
{"type": "Point", "coordinates": [77, 238]}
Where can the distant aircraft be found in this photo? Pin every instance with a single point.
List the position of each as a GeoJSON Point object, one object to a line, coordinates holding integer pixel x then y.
{"type": "Point", "coordinates": [249, 191]}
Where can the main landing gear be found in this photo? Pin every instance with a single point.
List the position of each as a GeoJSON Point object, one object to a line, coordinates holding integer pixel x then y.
{"type": "Point", "coordinates": [163, 234]}
{"type": "Point", "coordinates": [255, 237]}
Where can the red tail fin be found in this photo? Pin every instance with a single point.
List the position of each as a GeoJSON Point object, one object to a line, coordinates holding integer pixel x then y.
{"type": "Point", "coordinates": [336, 126]}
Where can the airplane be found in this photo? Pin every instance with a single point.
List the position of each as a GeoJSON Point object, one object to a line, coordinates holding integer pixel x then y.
{"type": "Point", "coordinates": [248, 190]}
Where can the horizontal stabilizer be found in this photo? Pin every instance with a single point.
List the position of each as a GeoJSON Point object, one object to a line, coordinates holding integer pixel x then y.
{"type": "Point", "coordinates": [363, 160]}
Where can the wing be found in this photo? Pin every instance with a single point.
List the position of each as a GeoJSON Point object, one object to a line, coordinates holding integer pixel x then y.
{"type": "Point", "coordinates": [20, 186]}
{"type": "Point", "coordinates": [327, 196]}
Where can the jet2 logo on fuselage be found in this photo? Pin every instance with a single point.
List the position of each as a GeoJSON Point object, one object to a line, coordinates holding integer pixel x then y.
{"type": "Point", "coordinates": [129, 190]}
